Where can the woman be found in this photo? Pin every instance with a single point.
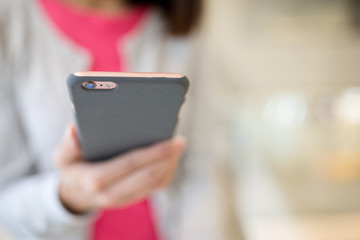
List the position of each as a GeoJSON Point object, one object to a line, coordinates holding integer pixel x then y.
{"type": "Point", "coordinates": [41, 42]}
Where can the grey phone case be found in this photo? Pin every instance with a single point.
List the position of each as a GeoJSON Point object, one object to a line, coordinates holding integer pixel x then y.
{"type": "Point", "coordinates": [138, 112]}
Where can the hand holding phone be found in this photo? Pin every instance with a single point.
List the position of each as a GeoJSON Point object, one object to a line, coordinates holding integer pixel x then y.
{"type": "Point", "coordinates": [124, 125]}
{"type": "Point", "coordinates": [116, 112]}
{"type": "Point", "coordinates": [122, 180]}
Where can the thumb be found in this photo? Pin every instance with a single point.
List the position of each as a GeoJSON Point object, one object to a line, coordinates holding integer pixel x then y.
{"type": "Point", "coordinates": [69, 151]}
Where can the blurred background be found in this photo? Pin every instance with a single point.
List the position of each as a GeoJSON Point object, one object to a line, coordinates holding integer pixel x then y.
{"type": "Point", "coordinates": [291, 72]}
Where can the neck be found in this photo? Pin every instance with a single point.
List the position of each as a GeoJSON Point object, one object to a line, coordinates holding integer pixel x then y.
{"type": "Point", "coordinates": [103, 6]}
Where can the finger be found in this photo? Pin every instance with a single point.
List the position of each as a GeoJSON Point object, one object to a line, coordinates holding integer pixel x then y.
{"type": "Point", "coordinates": [69, 150]}
{"type": "Point", "coordinates": [180, 145]}
{"type": "Point", "coordinates": [139, 183]}
{"type": "Point", "coordinates": [105, 173]}
{"type": "Point", "coordinates": [146, 180]}
{"type": "Point", "coordinates": [170, 173]}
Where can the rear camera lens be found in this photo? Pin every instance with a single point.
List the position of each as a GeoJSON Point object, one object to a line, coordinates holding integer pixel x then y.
{"type": "Point", "coordinates": [89, 85]}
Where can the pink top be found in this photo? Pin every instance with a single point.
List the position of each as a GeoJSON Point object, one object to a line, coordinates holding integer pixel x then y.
{"type": "Point", "coordinates": [103, 35]}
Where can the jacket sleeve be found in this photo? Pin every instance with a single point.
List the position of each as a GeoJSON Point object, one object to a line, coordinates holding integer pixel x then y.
{"type": "Point", "coordinates": [29, 203]}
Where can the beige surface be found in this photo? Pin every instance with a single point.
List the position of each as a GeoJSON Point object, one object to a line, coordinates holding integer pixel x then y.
{"type": "Point", "coordinates": [327, 227]}
{"type": "Point", "coordinates": [299, 46]}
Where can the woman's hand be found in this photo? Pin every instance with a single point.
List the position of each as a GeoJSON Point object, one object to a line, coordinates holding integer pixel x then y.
{"type": "Point", "coordinates": [117, 182]}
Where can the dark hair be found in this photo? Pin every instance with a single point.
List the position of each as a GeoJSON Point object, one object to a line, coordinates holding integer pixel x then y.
{"type": "Point", "coordinates": [181, 15]}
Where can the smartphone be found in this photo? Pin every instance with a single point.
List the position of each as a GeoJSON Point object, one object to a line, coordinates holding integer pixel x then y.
{"type": "Point", "coordinates": [116, 112]}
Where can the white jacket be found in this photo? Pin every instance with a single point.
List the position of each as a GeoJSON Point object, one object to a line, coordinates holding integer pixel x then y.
{"type": "Point", "coordinates": [35, 59]}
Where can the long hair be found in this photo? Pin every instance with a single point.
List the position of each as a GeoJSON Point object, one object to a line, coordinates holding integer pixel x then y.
{"type": "Point", "coordinates": [181, 15]}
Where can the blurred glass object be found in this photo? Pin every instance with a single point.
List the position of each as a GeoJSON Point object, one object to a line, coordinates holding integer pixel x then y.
{"type": "Point", "coordinates": [348, 107]}
{"type": "Point", "coordinates": [285, 110]}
